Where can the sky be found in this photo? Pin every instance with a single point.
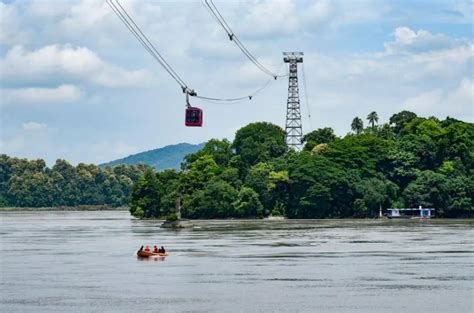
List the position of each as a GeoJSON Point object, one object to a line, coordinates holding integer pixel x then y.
{"type": "Point", "coordinates": [76, 85]}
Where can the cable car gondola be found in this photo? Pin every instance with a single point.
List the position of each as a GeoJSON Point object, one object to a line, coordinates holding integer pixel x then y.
{"type": "Point", "coordinates": [193, 117]}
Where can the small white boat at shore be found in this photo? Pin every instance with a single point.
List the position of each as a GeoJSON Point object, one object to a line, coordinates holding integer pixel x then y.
{"type": "Point", "coordinates": [423, 213]}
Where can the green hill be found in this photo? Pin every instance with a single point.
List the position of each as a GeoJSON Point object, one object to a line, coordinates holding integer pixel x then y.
{"type": "Point", "coordinates": [161, 158]}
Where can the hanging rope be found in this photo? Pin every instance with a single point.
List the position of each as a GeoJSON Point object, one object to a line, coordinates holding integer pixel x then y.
{"type": "Point", "coordinates": [306, 96]}
{"type": "Point", "coordinates": [141, 37]}
{"type": "Point", "coordinates": [249, 97]}
{"type": "Point", "coordinates": [212, 9]}
{"type": "Point", "coordinates": [133, 27]}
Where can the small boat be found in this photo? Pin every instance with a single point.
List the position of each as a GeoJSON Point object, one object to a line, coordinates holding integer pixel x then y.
{"type": "Point", "coordinates": [413, 213]}
{"type": "Point", "coordinates": [147, 254]}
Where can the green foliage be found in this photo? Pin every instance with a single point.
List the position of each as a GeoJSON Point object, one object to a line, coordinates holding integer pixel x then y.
{"type": "Point", "coordinates": [360, 208]}
{"type": "Point", "coordinates": [26, 183]}
{"type": "Point", "coordinates": [376, 192]}
{"type": "Point", "coordinates": [319, 136]}
{"type": "Point", "coordinates": [410, 162]}
{"type": "Point", "coordinates": [399, 120]}
{"type": "Point", "coordinates": [416, 161]}
{"type": "Point", "coordinates": [373, 118]}
{"type": "Point", "coordinates": [215, 200]}
{"type": "Point", "coordinates": [146, 196]}
{"type": "Point", "coordinates": [357, 125]}
{"type": "Point", "coordinates": [258, 178]}
{"type": "Point", "coordinates": [219, 150]}
{"type": "Point", "coordinates": [248, 203]}
{"type": "Point", "coordinates": [171, 217]}
{"type": "Point", "coordinates": [426, 190]}
{"type": "Point", "coordinates": [259, 142]}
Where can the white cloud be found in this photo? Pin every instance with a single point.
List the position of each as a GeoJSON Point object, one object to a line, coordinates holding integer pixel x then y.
{"type": "Point", "coordinates": [34, 126]}
{"type": "Point", "coordinates": [84, 15]}
{"type": "Point", "coordinates": [410, 41]}
{"type": "Point", "coordinates": [10, 30]}
{"type": "Point", "coordinates": [465, 8]}
{"type": "Point", "coordinates": [360, 11]}
{"type": "Point", "coordinates": [271, 17]}
{"type": "Point", "coordinates": [286, 17]}
{"type": "Point", "coordinates": [321, 12]}
{"type": "Point", "coordinates": [422, 65]}
{"type": "Point", "coordinates": [61, 94]}
{"type": "Point", "coordinates": [66, 63]}
{"type": "Point", "coordinates": [458, 102]}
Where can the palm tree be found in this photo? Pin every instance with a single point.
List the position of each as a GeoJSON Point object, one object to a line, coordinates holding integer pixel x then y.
{"type": "Point", "coordinates": [357, 125]}
{"type": "Point", "coordinates": [373, 118]}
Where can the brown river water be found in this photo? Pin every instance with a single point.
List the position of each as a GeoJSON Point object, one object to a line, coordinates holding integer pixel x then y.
{"type": "Point", "coordinates": [85, 262]}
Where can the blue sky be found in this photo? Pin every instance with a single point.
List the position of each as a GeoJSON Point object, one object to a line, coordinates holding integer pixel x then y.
{"type": "Point", "coordinates": [76, 85]}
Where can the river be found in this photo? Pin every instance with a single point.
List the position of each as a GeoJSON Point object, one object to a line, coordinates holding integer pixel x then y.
{"type": "Point", "coordinates": [85, 262]}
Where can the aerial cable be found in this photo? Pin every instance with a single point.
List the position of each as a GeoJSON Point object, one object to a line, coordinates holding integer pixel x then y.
{"type": "Point", "coordinates": [122, 14]}
{"type": "Point", "coordinates": [306, 96]}
{"type": "Point", "coordinates": [143, 39]}
{"type": "Point", "coordinates": [147, 48]}
{"type": "Point", "coordinates": [212, 9]}
{"type": "Point", "coordinates": [249, 97]}
{"type": "Point", "coordinates": [239, 99]}
{"type": "Point", "coordinates": [153, 47]}
{"type": "Point", "coordinates": [215, 12]}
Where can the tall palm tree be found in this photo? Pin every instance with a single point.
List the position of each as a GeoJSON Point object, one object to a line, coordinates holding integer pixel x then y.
{"type": "Point", "coordinates": [357, 125]}
{"type": "Point", "coordinates": [373, 118]}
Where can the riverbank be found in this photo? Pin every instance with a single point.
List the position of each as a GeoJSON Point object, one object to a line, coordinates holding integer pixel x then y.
{"type": "Point", "coordinates": [65, 208]}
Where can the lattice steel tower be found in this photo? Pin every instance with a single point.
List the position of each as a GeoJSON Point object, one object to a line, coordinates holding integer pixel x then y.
{"type": "Point", "coordinates": [293, 129]}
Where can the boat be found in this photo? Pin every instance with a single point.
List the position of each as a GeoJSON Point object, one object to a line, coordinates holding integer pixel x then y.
{"type": "Point", "coordinates": [413, 213]}
{"type": "Point", "coordinates": [147, 254]}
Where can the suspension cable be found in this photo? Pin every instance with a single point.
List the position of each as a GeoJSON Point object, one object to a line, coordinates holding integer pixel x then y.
{"type": "Point", "coordinates": [128, 21]}
{"type": "Point", "coordinates": [239, 99]}
{"type": "Point", "coordinates": [306, 96]}
{"type": "Point", "coordinates": [149, 47]}
{"type": "Point", "coordinates": [212, 9]}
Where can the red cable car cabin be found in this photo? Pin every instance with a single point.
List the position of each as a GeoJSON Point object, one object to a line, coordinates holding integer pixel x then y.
{"type": "Point", "coordinates": [193, 117]}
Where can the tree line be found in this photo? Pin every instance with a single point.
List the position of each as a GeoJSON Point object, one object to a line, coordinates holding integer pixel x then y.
{"type": "Point", "coordinates": [406, 162]}
{"type": "Point", "coordinates": [30, 183]}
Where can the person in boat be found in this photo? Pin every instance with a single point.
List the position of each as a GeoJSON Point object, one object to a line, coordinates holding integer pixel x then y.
{"type": "Point", "coordinates": [141, 249]}
{"type": "Point", "coordinates": [156, 250]}
{"type": "Point", "coordinates": [162, 250]}
{"type": "Point", "coordinates": [147, 249]}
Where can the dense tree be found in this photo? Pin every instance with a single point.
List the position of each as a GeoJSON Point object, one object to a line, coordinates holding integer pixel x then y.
{"type": "Point", "coordinates": [215, 200]}
{"type": "Point", "coordinates": [410, 162]}
{"type": "Point", "coordinates": [319, 136]}
{"type": "Point", "coordinates": [376, 192]}
{"type": "Point", "coordinates": [219, 150]}
{"type": "Point", "coordinates": [319, 188]}
{"type": "Point", "coordinates": [259, 142]}
{"type": "Point", "coordinates": [26, 183]}
{"type": "Point", "coordinates": [258, 178]}
{"type": "Point", "coordinates": [427, 190]}
{"type": "Point", "coordinates": [373, 118]}
{"type": "Point", "coordinates": [146, 195]}
{"type": "Point", "coordinates": [248, 203]}
{"type": "Point", "coordinates": [399, 120]}
{"type": "Point", "coordinates": [357, 125]}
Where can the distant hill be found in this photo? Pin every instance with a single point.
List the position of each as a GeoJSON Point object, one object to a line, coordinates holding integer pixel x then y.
{"type": "Point", "coordinates": [162, 158]}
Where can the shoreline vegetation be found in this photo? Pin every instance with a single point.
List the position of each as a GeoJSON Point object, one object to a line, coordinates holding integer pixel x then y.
{"type": "Point", "coordinates": [406, 162]}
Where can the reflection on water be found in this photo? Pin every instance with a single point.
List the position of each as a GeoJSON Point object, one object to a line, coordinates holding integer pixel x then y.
{"type": "Point", "coordinates": [86, 262]}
